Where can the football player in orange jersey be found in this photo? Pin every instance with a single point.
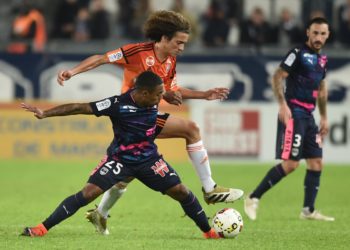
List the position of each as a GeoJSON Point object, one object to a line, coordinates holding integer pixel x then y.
{"type": "Point", "coordinates": [169, 32]}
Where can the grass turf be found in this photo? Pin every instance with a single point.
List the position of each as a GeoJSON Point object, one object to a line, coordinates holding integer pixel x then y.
{"type": "Point", "coordinates": [144, 219]}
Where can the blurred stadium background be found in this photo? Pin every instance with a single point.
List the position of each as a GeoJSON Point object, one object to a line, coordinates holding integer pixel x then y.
{"type": "Point", "coordinates": [235, 44]}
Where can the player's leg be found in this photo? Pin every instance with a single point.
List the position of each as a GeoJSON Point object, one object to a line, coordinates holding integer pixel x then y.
{"type": "Point", "coordinates": [67, 208]}
{"type": "Point", "coordinates": [192, 208]}
{"type": "Point", "coordinates": [98, 216]}
{"type": "Point", "coordinates": [160, 176]}
{"type": "Point", "coordinates": [288, 147]}
{"type": "Point", "coordinates": [174, 127]}
{"type": "Point", "coordinates": [313, 154]}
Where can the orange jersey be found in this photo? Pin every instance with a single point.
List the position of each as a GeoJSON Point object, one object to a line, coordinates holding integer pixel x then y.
{"type": "Point", "coordinates": [139, 57]}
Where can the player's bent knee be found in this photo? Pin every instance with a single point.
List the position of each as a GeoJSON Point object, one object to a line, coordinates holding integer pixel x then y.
{"type": "Point", "coordinates": [192, 131]}
{"type": "Point", "coordinates": [178, 192]}
{"type": "Point", "coordinates": [91, 192]}
{"type": "Point", "coordinates": [120, 185]}
{"type": "Point", "coordinates": [290, 166]}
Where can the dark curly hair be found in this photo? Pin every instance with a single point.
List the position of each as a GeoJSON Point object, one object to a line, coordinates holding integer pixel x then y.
{"type": "Point", "coordinates": [165, 23]}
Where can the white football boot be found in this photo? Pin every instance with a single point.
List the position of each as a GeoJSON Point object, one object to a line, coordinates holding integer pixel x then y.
{"type": "Point", "coordinates": [251, 206]}
{"type": "Point", "coordinates": [315, 215]}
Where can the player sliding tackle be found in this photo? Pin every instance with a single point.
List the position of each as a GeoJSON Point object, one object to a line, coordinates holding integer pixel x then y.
{"type": "Point", "coordinates": [132, 153]}
{"type": "Point", "coordinates": [168, 32]}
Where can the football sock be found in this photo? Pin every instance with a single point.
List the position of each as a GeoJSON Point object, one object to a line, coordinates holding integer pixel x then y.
{"type": "Point", "coordinates": [108, 200]}
{"type": "Point", "coordinates": [200, 161]}
{"type": "Point", "coordinates": [273, 176]}
{"type": "Point", "coordinates": [67, 208]}
{"type": "Point", "coordinates": [195, 211]}
{"type": "Point", "coordinates": [311, 185]}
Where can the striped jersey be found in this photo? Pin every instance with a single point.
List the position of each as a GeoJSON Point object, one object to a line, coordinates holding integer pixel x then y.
{"type": "Point", "coordinates": [139, 57]}
{"type": "Point", "coordinates": [306, 70]}
{"type": "Point", "coordinates": [133, 127]}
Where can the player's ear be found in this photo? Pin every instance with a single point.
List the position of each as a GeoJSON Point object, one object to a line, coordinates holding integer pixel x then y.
{"type": "Point", "coordinates": [165, 38]}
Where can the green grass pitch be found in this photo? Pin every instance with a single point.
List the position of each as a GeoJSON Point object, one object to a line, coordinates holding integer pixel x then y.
{"type": "Point", "coordinates": [144, 219]}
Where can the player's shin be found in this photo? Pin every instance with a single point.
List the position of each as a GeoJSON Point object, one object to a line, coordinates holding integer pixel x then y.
{"type": "Point", "coordinates": [195, 211]}
{"type": "Point", "coordinates": [109, 198]}
{"type": "Point", "coordinates": [273, 176]}
{"type": "Point", "coordinates": [67, 208]}
{"type": "Point", "coordinates": [311, 185]}
{"type": "Point", "coordinates": [200, 161]}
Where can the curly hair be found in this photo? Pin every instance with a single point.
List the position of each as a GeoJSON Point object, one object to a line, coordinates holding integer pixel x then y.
{"type": "Point", "coordinates": [165, 23]}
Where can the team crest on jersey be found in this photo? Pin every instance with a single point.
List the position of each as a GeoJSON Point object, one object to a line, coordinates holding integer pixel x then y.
{"type": "Point", "coordinates": [150, 61]}
{"type": "Point", "coordinates": [322, 61]}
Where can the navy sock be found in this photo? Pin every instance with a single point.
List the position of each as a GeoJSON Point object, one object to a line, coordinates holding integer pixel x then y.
{"type": "Point", "coordinates": [67, 208]}
{"type": "Point", "coordinates": [195, 211]}
{"type": "Point", "coordinates": [273, 176]}
{"type": "Point", "coordinates": [311, 185]}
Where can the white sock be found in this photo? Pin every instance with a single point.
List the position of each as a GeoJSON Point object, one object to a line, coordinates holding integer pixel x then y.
{"type": "Point", "coordinates": [108, 200]}
{"type": "Point", "coordinates": [200, 161]}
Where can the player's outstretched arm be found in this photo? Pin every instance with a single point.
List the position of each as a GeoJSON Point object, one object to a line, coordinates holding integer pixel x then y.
{"type": "Point", "coordinates": [61, 110]}
{"type": "Point", "coordinates": [211, 94]}
{"type": "Point", "coordinates": [87, 64]}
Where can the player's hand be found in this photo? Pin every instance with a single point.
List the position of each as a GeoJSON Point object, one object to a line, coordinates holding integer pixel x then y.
{"type": "Point", "coordinates": [173, 97]}
{"type": "Point", "coordinates": [217, 93]}
{"type": "Point", "coordinates": [323, 127]}
{"type": "Point", "coordinates": [63, 75]}
{"type": "Point", "coordinates": [284, 114]}
{"type": "Point", "coordinates": [38, 113]}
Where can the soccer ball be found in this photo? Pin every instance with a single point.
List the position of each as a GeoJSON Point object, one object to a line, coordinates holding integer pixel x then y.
{"type": "Point", "coordinates": [228, 223]}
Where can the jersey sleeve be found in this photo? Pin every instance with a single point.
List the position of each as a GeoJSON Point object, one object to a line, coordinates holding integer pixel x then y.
{"type": "Point", "coordinates": [106, 107]}
{"type": "Point", "coordinates": [290, 60]}
{"type": "Point", "coordinates": [116, 56]}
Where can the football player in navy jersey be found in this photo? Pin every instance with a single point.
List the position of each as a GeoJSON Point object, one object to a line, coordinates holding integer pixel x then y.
{"type": "Point", "coordinates": [132, 153]}
{"type": "Point", "coordinates": [298, 137]}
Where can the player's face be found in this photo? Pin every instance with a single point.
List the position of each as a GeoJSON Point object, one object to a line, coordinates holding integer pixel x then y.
{"type": "Point", "coordinates": [152, 98]}
{"type": "Point", "coordinates": [176, 45]}
{"type": "Point", "coordinates": [317, 36]}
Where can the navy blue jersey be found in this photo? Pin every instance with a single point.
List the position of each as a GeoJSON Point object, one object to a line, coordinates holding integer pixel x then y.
{"type": "Point", "coordinates": [133, 128]}
{"type": "Point", "coordinates": [306, 70]}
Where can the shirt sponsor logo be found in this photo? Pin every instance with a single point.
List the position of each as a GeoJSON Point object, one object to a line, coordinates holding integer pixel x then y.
{"type": "Point", "coordinates": [115, 56]}
{"type": "Point", "coordinates": [105, 104]}
{"type": "Point", "coordinates": [129, 108]}
{"type": "Point", "coordinates": [150, 61]}
{"type": "Point", "coordinates": [290, 59]}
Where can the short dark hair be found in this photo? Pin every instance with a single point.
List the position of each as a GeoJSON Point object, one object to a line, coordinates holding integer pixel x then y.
{"type": "Point", "coordinates": [165, 23]}
{"type": "Point", "coordinates": [148, 80]}
{"type": "Point", "coordinates": [318, 20]}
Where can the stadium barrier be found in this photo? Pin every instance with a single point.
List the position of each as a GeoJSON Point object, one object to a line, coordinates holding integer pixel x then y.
{"type": "Point", "coordinates": [72, 137]}
{"type": "Point", "coordinates": [246, 131]}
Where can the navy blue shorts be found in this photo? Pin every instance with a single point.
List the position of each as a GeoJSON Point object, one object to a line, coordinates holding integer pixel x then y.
{"type": "Point", "coordinates": [156, 174]}
{"type": "Point", "coordinates": [299, 140]}
{"type": "Point", "coordinates": [161, 120]}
